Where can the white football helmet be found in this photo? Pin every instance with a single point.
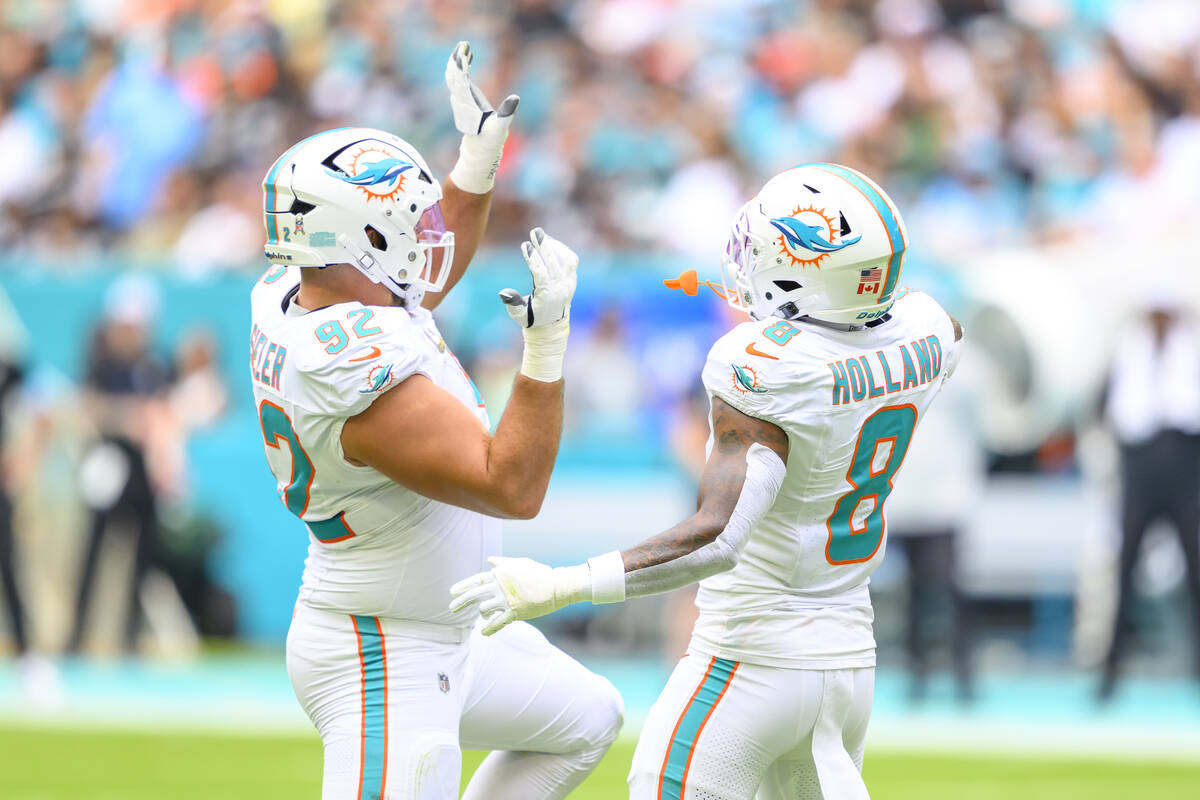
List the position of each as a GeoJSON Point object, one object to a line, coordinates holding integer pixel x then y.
{"type": "Point", "coordinates": [820, 241]}
{"type": "Point", "coordinates": [364, 197]}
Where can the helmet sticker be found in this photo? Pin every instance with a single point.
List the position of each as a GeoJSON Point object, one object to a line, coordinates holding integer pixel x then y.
{"type": "Point", "coordinates": [376, 170]}
{"type": "Point", "coordinates": [807, 236]}
{"type": "Point", "coordinates": [869, 280]}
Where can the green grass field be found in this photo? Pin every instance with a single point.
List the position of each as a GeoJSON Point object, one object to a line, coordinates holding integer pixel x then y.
{"type": "Point", "coordinates": [52, 764]}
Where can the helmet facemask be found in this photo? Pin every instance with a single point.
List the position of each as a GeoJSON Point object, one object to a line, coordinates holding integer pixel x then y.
{"type": "Point", "coordinates": [756, 287]}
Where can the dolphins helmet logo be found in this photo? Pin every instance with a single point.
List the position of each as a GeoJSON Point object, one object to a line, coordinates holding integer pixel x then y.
{"type": "Point", "coordinates": [745, 380]}
{"type": "Point", "coordinates": [377, 172]}
{"type": "Point", "coordinates": [807, 236]}
{"type": "Point", "coordinates": [378, 379]}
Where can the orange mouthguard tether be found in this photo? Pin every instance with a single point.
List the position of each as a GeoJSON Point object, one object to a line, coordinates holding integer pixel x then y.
{"type": "Point", "coordinates": [690, 285]}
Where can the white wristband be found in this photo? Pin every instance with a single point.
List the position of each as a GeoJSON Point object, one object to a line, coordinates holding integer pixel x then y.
{"type": "Point", "coordinates": [545, 346]}
{"type": "Point", "coordinates": [571, 585]}
{"type": "Point", "coordinates": [608, 577]}
{"type": "Point", "coordinates": [478, 160]}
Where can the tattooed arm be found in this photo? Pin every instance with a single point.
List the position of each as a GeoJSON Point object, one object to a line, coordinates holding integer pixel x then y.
{"type": "Point", "coordinates": [720, 487]}
{"type": "Point", "coordinates": [743, 476]}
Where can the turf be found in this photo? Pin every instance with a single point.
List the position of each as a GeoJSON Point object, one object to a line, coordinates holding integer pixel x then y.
{"type": "Point", "coordinates": [49, 764]}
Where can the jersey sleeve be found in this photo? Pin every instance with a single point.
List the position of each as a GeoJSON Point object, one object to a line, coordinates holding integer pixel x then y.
{"type": "Point", "coordinates": [343, 375]}
{"type": "Point", "coordinates": [939, 320]}
{"type": "Point", "coordinates": [754, 384]}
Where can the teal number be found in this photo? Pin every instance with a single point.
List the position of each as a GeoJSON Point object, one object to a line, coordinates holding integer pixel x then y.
{"type": "Point", "coordinates": [275, 426]}
{"type": "Point", "coordinates": [781, 332]}
{"type": "Point", "coordinates": [287, 234]}
{"type": "Point", "coordinates": [333, 336]}
{"type": "Point", "coordinates": [360, 327]}
{"type": "Point", "coordinates": [872, 483]}
{"type": "Point", "coordinates": [274, 273]}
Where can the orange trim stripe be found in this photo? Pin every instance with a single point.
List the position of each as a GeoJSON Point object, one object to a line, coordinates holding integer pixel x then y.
{"type": "Point", "coordinates": [663, 772]}
{"type": "Point", "coordinates": [362, 663]}
{"type": "Point", "coordinates": [688, 766]}
{"type": "Point", "coordinates": [383, 653]}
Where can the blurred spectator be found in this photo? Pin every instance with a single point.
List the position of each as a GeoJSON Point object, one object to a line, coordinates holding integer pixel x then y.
{"type": "Point", "coordinates": [198, 397]}
{"type": "Point", "coordinates": [1153, 408]}
{"type": "Point", "coordinates": [18, 459]}
{"type": "Point", "coordinates": [604, 393]}
{"type": "Point", "coordinates": [11, 375]}
{"type": "Point", "coordinates": [643, 122]}
{"type": "Point", "coordinates": [938, 489]}
{"type": "Point", "coordinates": [125, 389]}
{"type": "Point", "coordinates": [223, 234]}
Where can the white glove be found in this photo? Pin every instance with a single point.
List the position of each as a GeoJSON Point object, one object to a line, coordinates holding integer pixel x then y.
{"type": "Point", "coordinates": [544, 314]}
{"type": "Point", "coordinates": [483, 129]}
{"type": "Point", "coordinates": [521, 588]}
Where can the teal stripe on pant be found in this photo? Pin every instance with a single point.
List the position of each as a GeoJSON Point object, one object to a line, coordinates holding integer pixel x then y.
{"type": "Point", "coordinates": [372, 657]}
{"type": "Point", "coordinates": [720, 673]}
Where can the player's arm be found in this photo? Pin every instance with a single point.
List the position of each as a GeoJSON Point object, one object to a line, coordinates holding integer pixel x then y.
{"type": "Point", "coordinates": [721, 486]}
{"type": "Point", "coordinates": [467, 192]}
{"type": "Point", "coordinates": [422, 437]}
{"type": "Point", "coordinates": [740, 483]}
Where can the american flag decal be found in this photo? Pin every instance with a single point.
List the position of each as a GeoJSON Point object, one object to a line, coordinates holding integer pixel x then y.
{"type": "Point", "coordinates": [869, 280]}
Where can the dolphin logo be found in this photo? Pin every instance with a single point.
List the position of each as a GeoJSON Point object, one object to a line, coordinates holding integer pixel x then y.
{"type": "Point", "coordinates": [378, 378]}
{"type": "Point", "coordinates": [798, 234]}
{"type": "Point", "coordinates": [385, 170]}
{"type": "Point", "coordinates": [747, 381]}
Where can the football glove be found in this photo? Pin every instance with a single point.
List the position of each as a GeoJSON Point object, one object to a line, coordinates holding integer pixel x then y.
{"type": "Point", "coordinates": [484, 129]}
{"type": "Point", "coordinates": [544, 314]}
{"type": "Point", "coordinates": [520, 588]}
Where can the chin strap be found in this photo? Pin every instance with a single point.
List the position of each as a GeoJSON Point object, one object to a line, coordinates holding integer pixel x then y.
{"type": "Point", "coordinates": [370, 266]}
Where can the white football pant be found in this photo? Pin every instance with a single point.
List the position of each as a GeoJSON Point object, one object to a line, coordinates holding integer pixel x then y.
{"type": "Point", "coordinates": [724, 730]}
{"type": "Point", "coordinates": [395, 703]}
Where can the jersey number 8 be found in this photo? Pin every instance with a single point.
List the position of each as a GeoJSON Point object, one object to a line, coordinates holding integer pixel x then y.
{"type": "Point", "coordinates": [878, 454]}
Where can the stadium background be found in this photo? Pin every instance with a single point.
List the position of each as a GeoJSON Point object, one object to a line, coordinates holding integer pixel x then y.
{"type": "Point", "coordinates": [1045, 155]}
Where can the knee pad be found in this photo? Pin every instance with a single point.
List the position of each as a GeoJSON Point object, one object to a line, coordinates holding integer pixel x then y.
{"type": "Point", "coordinates": [609, 714]}
{"type": "Point", "coordinates": [434, 768]}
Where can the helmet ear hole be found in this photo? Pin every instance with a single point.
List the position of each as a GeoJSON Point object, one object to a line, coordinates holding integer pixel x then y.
{"type": "Point", "coordinates": [377, 239]}
{"type": "Point", "coordinates": [787, 286]}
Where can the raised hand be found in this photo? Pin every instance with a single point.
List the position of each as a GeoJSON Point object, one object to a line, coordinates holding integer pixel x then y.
{"type": "Point", "coordinates": [484, 130]}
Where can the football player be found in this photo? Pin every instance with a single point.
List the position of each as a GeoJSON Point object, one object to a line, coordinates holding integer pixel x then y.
{"type": "Point", "coordinates": [814, 402]}
{"type": "Point", "coordinates": [380, 445]}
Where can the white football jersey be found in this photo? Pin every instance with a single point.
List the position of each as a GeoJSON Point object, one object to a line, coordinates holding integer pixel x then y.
{"type": "Point", "coordinates": [375, 548]}
{"type": "Point", "coordinates": [849, 402]}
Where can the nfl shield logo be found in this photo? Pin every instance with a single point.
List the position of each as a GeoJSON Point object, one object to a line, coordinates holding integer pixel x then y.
{"type": "Point", "coordinates": [444, 682]}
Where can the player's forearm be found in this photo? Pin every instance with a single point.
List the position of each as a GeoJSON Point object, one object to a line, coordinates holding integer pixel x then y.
{"type": "Point", "coordinates": [466, 214]}
{"type": "Point", "coordinates": [720, 488]}
{"type": "Point", "coordinates": [522, 451]}
{"type": "Point", "coordinates": [520, 588]}
{"type": "Point", "coordinates": [711, 540]}
{"type": "Point", "coordinates": [688, 536]}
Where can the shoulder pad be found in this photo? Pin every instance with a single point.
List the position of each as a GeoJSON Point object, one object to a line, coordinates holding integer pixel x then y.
{"type": "Point", "coordinates": [349, 354]}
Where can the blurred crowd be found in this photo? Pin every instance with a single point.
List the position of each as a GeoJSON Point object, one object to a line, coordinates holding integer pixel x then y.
{"type": "Point", "coordinates": [142, 129]}
{"type": "Point", "coordinates": [135, 134]}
